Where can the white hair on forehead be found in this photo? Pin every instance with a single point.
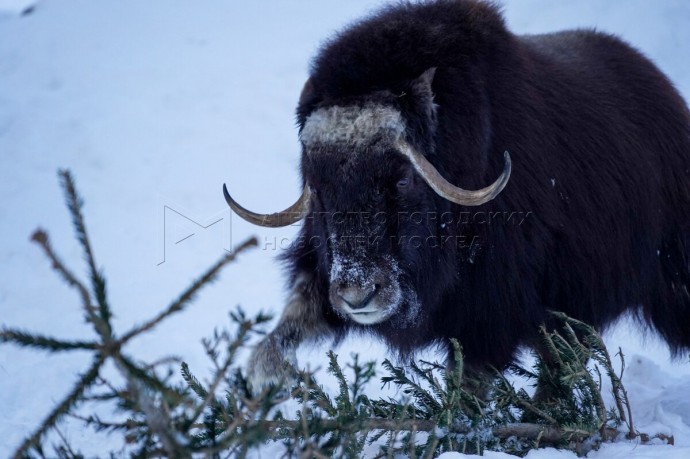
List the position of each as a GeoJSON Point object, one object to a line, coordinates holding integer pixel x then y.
{"type": "Point", "coordinates": [351, 125]}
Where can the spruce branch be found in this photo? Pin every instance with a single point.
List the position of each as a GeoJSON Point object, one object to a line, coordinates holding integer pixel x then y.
{"type": "Point", "coordinates": [600, 354]}
{"type": "Point", "coordinates": [135, 372]}
{"type": "Point", "coordinates": [65, 446]}
{"type": "Point", "coordinates": [142, 383]}
{"type": "Point", "coordinates": [75, 204]}
{"type": "Point", "coordinates": [209, 398]}
{"type": "Point", "coordinates": [192, 382]}
{"type": "Point", "coordinates": [101, 425]}
{"type": "Point", "coordinates": [158, 419]}
{"type": "Point", "coordinates": [47, 343]}
{"type": "Point", "coordinates": [86, 380]}
{"type": "Point", "coordinates": [188, 295]}
{"type": "Point", "coordinates": [41, 238]}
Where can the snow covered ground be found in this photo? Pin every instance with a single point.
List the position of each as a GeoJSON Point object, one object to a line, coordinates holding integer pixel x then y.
{"type": "Point", "coordinates": [153, 105]}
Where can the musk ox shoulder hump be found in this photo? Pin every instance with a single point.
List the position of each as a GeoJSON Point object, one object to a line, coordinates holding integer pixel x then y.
{"type": "Point", "coordinates": [403, 40]}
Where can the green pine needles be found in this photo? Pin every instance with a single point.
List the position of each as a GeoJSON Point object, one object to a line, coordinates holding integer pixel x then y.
{"type": "Point", "coordinates": [438, 408]}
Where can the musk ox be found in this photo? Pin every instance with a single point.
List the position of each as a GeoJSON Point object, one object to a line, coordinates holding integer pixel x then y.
{"type": "Point", "coordinates": [417, 226]}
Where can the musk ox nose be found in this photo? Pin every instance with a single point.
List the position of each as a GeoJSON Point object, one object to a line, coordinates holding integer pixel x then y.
{"type": "Point", "coordinates": [355, 296]}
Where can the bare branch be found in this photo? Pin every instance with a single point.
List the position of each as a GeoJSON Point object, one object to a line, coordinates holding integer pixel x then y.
{"type": "Point", "coordinates": [179, 304]}
{"type": "Point", "coordinates": [62, 408]}
{"type": "Point", "coordinates": [44, 342]}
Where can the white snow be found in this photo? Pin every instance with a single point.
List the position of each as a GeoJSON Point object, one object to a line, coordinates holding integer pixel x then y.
{"type": "Point", "coordinates": [153, 105]}
{"type": "Point", "coordinates": [13, 7]}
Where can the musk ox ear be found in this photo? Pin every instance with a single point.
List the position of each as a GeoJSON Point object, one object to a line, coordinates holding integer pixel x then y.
{"type": "Point", "coordinates": [420, 88]}
{"type": "Point", "coordinates": [420, 106]}
{"type": "Point", "coordinates": [307, 101]}
{"type": "Point", "coordinates": [307, 93]}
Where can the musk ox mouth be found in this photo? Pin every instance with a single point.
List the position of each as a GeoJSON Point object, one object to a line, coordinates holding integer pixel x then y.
{"type": "Point", "coordinates": [368, 317]}
{"type": "Point", "coordinates": [380, 307]}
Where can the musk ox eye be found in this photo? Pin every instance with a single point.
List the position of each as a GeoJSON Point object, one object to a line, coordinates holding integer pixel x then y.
{"type": "Point", "coordinates": [403, 183]}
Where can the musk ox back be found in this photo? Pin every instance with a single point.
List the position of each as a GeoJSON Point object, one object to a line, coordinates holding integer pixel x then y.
{"type": "Point", "coordinates": [404, 122]}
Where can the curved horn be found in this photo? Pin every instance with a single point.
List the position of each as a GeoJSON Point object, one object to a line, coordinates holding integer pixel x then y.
{"type": "Point", "coordinates": [292, 214]}
{"type": "Point", "coordinates": [449, 191]}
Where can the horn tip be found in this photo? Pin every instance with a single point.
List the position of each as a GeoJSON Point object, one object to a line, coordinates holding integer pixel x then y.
{"type": "Point", "coordinates": [226, 194]}
{"type": "Point", "coordinates": [508, 162]}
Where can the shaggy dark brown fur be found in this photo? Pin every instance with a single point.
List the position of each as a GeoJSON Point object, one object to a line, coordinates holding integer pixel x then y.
{"type": "Point", "coordinates": [600, 143]}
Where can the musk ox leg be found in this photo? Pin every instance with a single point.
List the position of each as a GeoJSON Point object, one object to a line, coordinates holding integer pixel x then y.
{"type": "Point", "coordinates": [669, 313]}
{"type": "Point", "coordinates": [273, 361]}
{"type": "Point", "coordinates": [476, 377]}
{"type": "Point", "coordinates": [477, 381]}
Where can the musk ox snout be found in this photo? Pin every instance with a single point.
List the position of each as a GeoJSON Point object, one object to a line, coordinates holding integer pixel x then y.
{"type": "Point", "coordinates": [365, 293]}
{"type": "Point", "coordinates": [356, 297]}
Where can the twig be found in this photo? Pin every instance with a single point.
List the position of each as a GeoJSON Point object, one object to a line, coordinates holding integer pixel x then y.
{"type": "Point", "coordinates": [74, 204]}
{"type": "Point", "coordinates": [44, 342]}
{"type": "Point", "coordinates": [527, 431]}
{"type": "Point", "coordinates": [530, 407]}
{"type": "Point", "coordinates": [189, 294]}
{"type": "Point", "coordinates": [626, 401]}
{"type": "Point", "coordinates": [41, 238]}
{"type": "Point", "coordinates": [65, 443]}
{"type": "Point", "coordinates": [62, 408]}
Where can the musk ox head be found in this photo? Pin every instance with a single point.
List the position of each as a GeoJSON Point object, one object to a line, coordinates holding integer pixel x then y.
{"type": "Point", "coordinates": [366, 172]}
